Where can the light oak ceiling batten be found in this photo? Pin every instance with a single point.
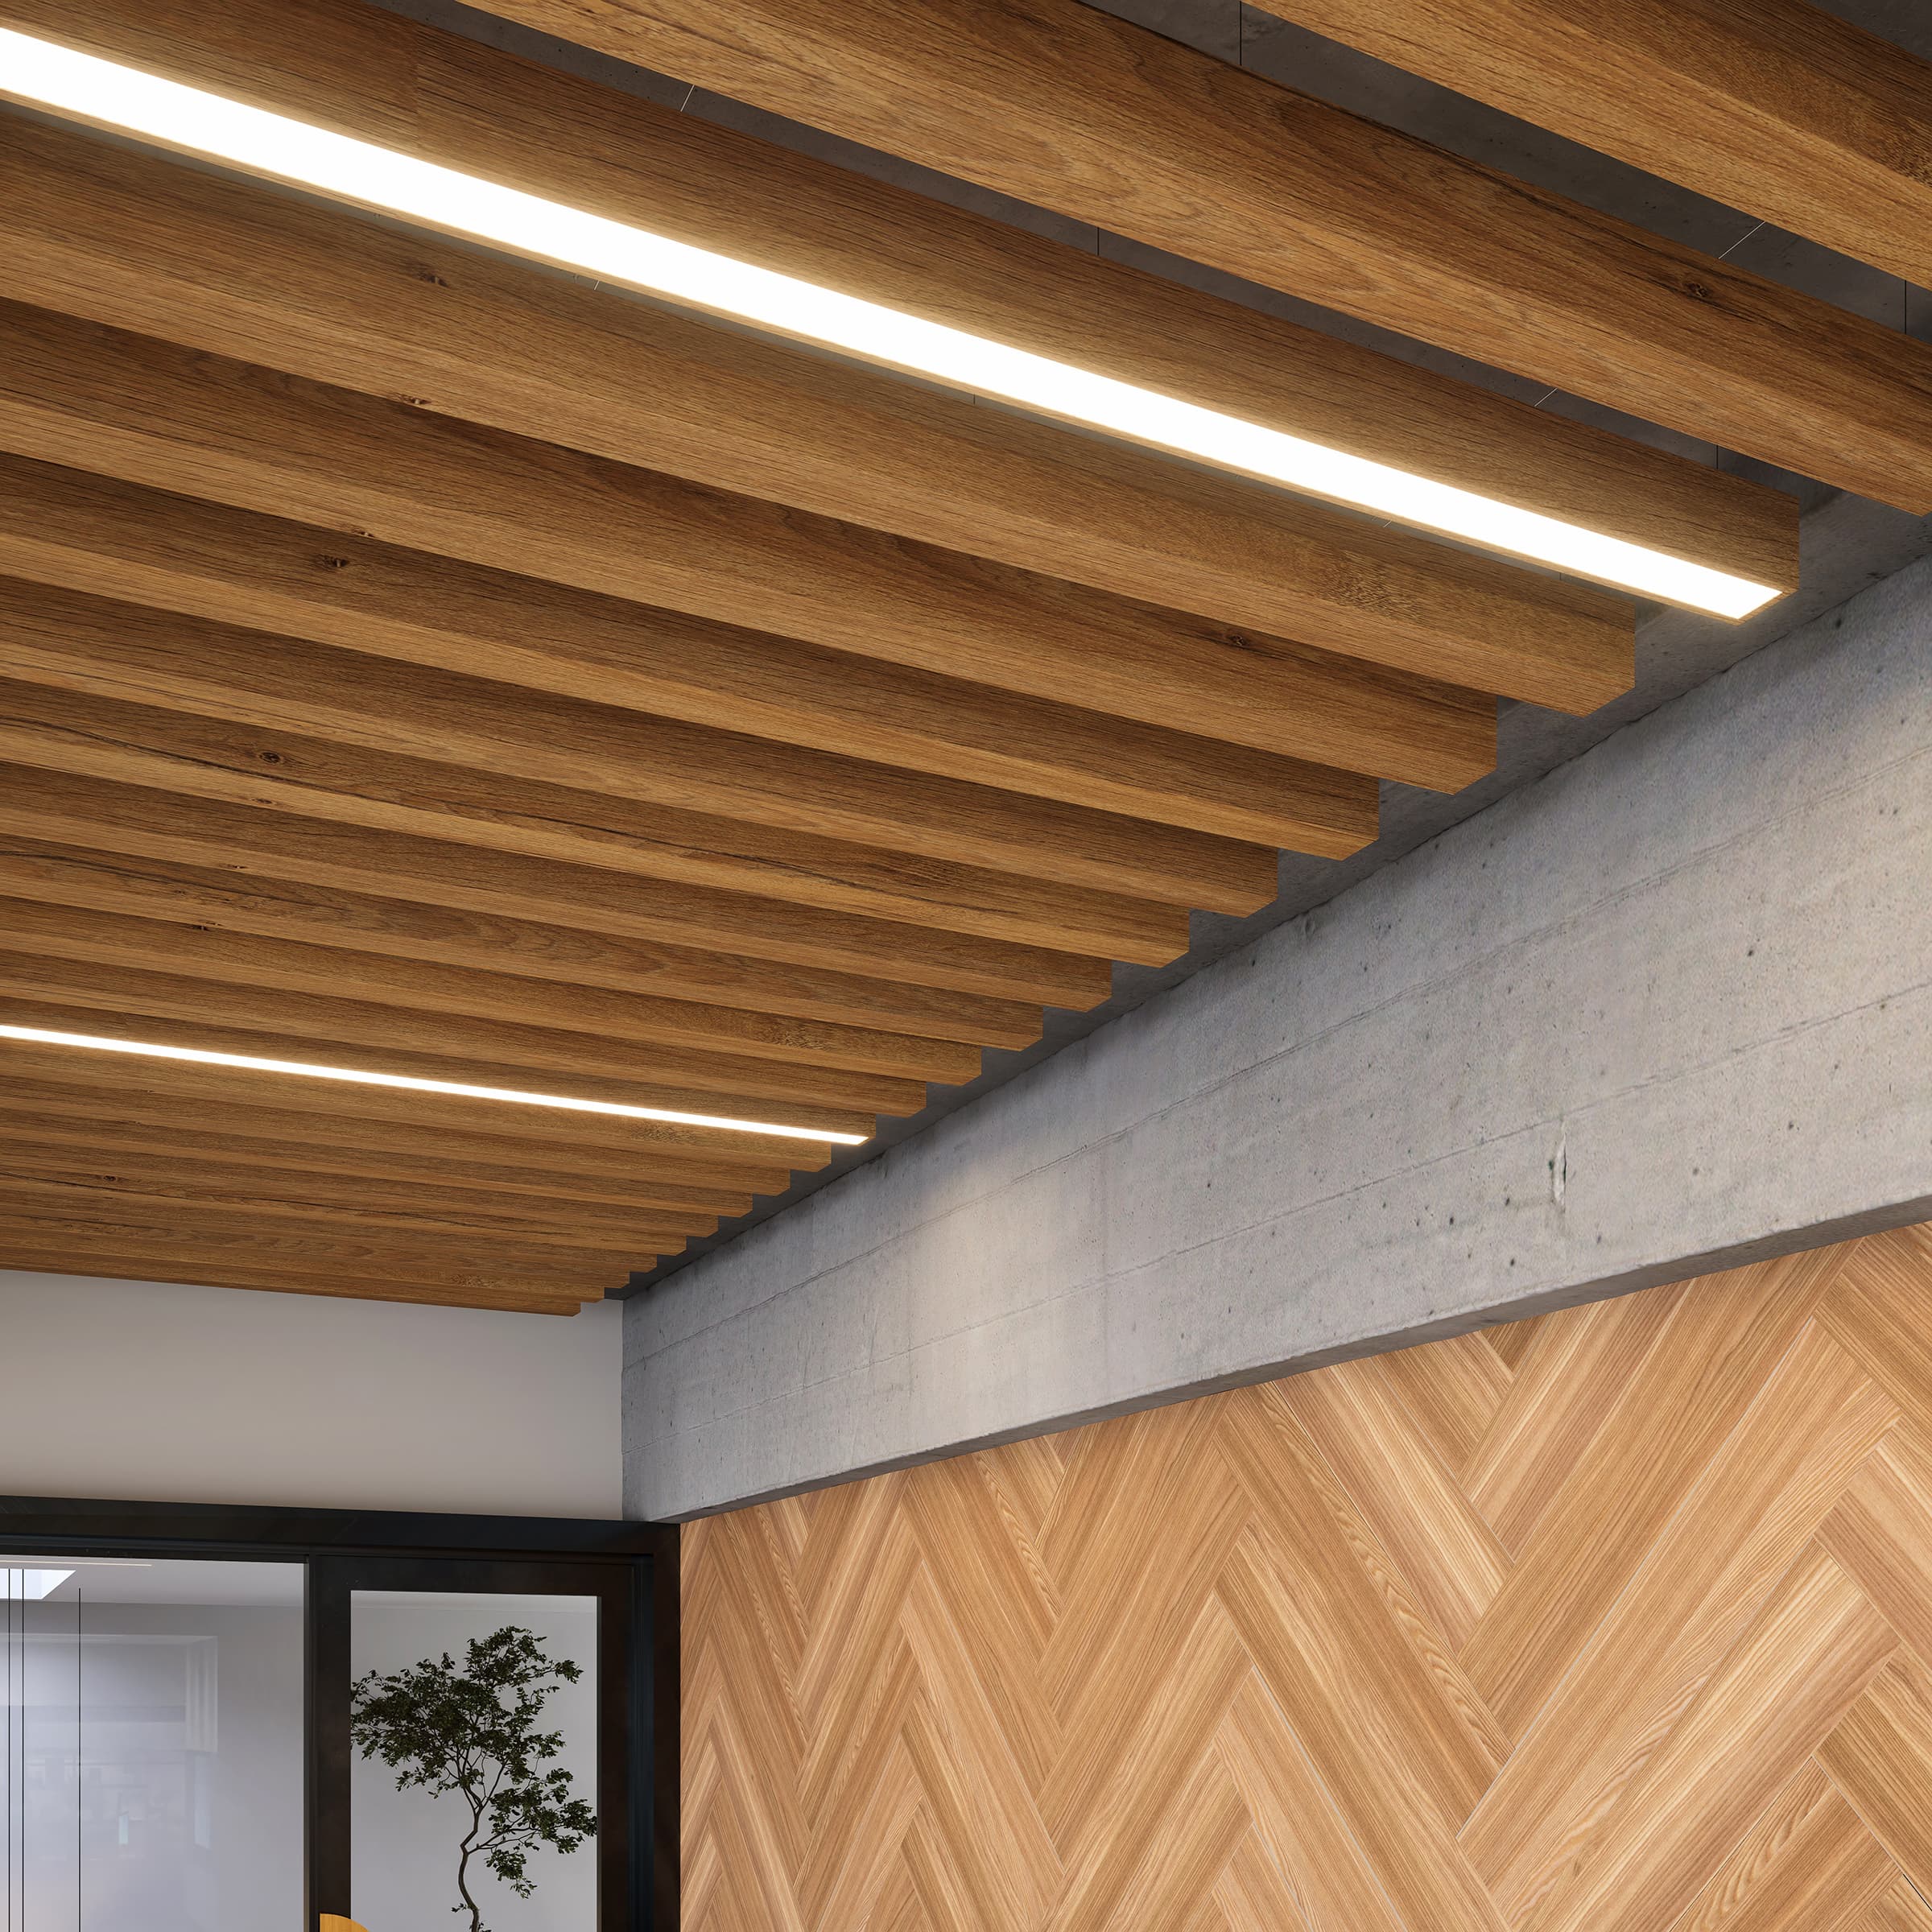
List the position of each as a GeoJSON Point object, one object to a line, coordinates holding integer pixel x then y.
{"type": "Point", "coordinates": [360, 1282]}
{"type": "Point", "coordinates": [498, 1159]}
{"type": "Point", "coordinates": [319, 916]}
{"type": "Point", "coordinates": [156, 247]}
{"type": "Point", "coordinates": [443, 1044]}
{"type": "Point", "coordinates": [698, 781]}
{"type": "Point", "coordinates": [50, 728]}
{"type": "Point", "coordinates": [1775, 107]}
{"type": "Point", "coordinates": [558, 1132]}
{"type": "Point", "coordinates": [302, 1173]}
{"type": "Point", "coordinates": [143, 822]}
{"type": "Point", "coordinates": [371, 75]}
{"type": "Point", "coordinates": [95, 533]}
{"type": "Point", "coordinates": [220, 957]}
{"type": "Point", "coordinates": [1111, 124]}
{"type": "Point", "coordinates": [154, 414]}
{"type": "Point", "coordinates": [452, 713]}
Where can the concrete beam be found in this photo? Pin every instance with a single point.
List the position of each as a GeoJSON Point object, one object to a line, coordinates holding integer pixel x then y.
{"type": "Point", "coordinates": [1668, 1010]}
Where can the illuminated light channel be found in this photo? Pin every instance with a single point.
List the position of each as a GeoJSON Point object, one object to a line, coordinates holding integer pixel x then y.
{"type": "Point", "coordinates": [106, 93]}
{"type": "Point", "coordinates": [199, 1057]}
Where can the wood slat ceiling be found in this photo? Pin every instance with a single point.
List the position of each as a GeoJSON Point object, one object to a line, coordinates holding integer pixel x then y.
{"type": "Point", "coordinates": [417, 660]}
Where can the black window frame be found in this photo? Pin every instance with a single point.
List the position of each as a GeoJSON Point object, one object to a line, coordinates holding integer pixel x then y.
{"type": "Point", "coordinates": [633, 1565]}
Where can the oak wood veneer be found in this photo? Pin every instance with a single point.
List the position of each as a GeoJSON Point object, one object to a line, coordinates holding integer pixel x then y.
{"type": "Point", "coordinates": [206, 1201]}
{"type": "Point", "coordinates": [373, 74]}
{"type": "Point", "coordinates": [1111, 124]}
{"type": "Point", "coordinates": [172, 553]}
{"type": "Point", "coordinates": [187, 1173]}
{"type": "Point", "coordinates": [222, 1267]}
{"type": "Point", "coordinates": [50, 727]}
{"type": "Point", "coordinates": [139, 822]}
{"type": "Point", "coordinates": [218, 957]}
{"type": "Point", "coordinates": [33, 1217]}
{"type": "Point", "coordinates": [1226, 1665]}
{"type": "Point", "coordinates": [94, 534]}
{"type": "Point", "coordinates": [42, 1142]}
{"type": "Point", "coordinates": [444, 1039]}
{"type": "Point", "coordinates": [182, 1027]}
{"type": "Point", "coordinates": [152, 413]}
{"type": "Point", "coordinates": [498, 1155]}
{"type": "Point", "coordinates": [169, 251]}
{"type": "Point", "coordinates": [360, 923]}
{"type": "Point", "coordinates": [829, 816]}
{"type": "Point", "coordinates": [1773, 106]}
{"type": "Point", "coordinates": [334, 1105]}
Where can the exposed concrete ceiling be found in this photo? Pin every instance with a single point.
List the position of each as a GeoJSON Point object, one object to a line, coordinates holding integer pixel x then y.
{"type": "Point", "coordinates": [1847, 541]}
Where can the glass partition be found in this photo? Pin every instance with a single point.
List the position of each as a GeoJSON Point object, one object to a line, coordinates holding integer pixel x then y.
{"type": "Point", "coordinates": [152, 1779]}
{"type": "Point", "coordinates": [473, 1788]}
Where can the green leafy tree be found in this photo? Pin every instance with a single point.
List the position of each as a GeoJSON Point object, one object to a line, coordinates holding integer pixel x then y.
{"type": "Point", "coordinates": [472, 1730]}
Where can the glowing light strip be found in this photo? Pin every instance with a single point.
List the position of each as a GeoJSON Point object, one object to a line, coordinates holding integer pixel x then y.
{"type": "Point", "coordinates": [199, 1057]}
{"type": "Point", "coordinates": [105, 92]}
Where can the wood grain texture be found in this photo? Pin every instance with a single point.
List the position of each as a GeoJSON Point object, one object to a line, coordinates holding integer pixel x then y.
{"type": "Point", "coordinates": [211, 1268]}
{"type": "Point", "coordinates": [545, 1132]}
{"type": "Point", "coordinates": [383, 1034]}
{"type": "Point", "coordinates": [832, 813]}
{"type": "Point", "coordinates": [188, 1173]}
{"type": "Point", "coordinates": [89, 533]}
{"type": "Point", "coordinates": [72, 1142]}
{"type": "Point", "coordinates": [231, 761]}
{"type": "Point", "coordinates": [495, 1155]}
{"type": "Point", "coordinates": [1771, 106]}
{"type": "Point", "coordinates": [155, 889]}
{"type": "Point", "coordinates": [141, 821]}
{"type": "Point", "coordinates": [1140, 135]}
{"type": "Point", "coordinates": [150, 412]}
{"type": "Point", "coordinates": [1214, 1666]}
{"type": "Point", "coordinates": [183, 1028]}
{"type": "Point", "coordinates": [371, 73]}
{"type": "Point", "coordinates": [227, 957]}
{"type": "Point", "coordinates": [150, 245]}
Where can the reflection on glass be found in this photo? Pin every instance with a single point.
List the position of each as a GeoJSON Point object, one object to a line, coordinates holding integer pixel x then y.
{"type": "Point", "coordinates": [449, 1684]}
{"type": "Point", "coordinates": [152, 1774]}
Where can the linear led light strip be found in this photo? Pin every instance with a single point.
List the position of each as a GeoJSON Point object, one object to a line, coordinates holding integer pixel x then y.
{"type": "Point", "coordinates": [106, 93]}
{"type": "Point", "coordinates": [44, 1037]}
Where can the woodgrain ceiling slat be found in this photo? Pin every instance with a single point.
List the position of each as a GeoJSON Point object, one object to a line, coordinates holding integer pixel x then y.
{"type": "Point", "coordinates": [145, 244]}
{"type": "Point", "coordinates": [92, 533]}
{"type": "Point", "coordinates": [1112, 124]}
{"type": "Point", "coordinates": [151, 412]}
{"type": "Point", "coordinates": [217, 959]}
{"type": "Point", "coordinates": [279, 1135]}
{"type": "Point", "coordinates": [346, 1030]}
{"type": "Point", "coordinates": [138, 822]}
{"type": "Point", "coordinates": [369, 73]}
{"type": "Point", "coordinates": [1778, 108]}
{"type": "Point", "coordinates": [547, 1133]}
{"type": "Point", "coordinates": [46, 871]}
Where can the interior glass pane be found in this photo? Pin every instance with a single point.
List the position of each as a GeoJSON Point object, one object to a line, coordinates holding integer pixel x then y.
{"type": "Point", "coordinates": [151, 1776]}
{"type": "Point", "coordinates": [410, 1872]}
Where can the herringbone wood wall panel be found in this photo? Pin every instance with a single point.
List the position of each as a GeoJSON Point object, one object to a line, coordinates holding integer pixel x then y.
{"type": "Point", "coordinates": [1619, 1619]}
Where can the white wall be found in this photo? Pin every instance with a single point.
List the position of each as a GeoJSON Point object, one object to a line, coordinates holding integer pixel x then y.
{"type": "Point", "coordinates": [142, 1391]}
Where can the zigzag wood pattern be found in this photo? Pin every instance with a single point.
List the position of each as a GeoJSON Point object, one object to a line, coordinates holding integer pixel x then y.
{"type": "Point", "coordinates": [1620, 1618]}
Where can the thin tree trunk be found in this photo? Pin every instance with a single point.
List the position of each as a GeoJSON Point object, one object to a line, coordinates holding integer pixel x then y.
{"type": "Point", "coordinates": [476, 1914]}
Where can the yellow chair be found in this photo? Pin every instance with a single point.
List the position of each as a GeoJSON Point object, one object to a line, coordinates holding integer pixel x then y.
{"type": "Point", "coordinates": [331, 1923]}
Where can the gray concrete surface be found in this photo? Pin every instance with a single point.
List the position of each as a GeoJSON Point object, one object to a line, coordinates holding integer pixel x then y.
{"type": "Point", "coordinates": [1668, 1008]}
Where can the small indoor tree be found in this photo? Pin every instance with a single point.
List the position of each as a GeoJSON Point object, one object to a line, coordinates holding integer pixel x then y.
{"type": "Point", "coordinates": [472, 1730]}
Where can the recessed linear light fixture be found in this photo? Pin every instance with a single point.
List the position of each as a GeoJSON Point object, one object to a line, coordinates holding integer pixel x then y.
{"type": "Point", "coordinates": [188, 119]}
{"type": "Point", "coordinates": [18, 1585]}
{"type": "Point", "coordinates": [200, 1057]}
